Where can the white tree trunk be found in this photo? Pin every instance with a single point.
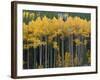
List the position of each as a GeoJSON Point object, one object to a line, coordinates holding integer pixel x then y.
{"type": "Point", "coordinates": [62, 50]}
{"type": "Point", "coordinates": [46, 53]}
{"type": "Point", "coordinates": [71, 48]}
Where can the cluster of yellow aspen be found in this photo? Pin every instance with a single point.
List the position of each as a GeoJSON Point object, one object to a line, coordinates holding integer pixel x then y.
{"type": "Point", "coordinates": [61, 52]}
{"type": "Point", "coordinates": [53, 28]}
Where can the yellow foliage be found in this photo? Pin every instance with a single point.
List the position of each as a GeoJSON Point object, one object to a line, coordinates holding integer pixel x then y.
{"type": "Point", "coordinates": [55, 45]}
{"type": "Point", "coordinates": [85, 42]}
{"type": "Point", "coordinates": [78, 42]}
{"type": "Point", "coordinates": [54, 27]}
{"type": "Point", "coordinates": [67, 59]}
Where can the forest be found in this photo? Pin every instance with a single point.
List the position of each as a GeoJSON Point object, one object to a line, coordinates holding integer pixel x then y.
{"type": "Point", "coordinates": [56, 39]}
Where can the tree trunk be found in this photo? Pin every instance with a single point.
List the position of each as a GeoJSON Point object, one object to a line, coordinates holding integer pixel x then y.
{"type": "Point", "coordinates": [51, 57]}
{"type": "Point", "coordinates": [28, 58]}
{"type": "Point", "coordinates": [77, 60]}
{"type": "Point", "coordinates": [55, 53]}
{"type": "Point", "coordinates": [48, 56]}
{"type": "Point", "coordinates": [40, 55]}
{"type": "Point", "coordinates": [34, 57]}
{"type": "Point", "coordinates": [62, 51]}
{"type": "Point", "coordinates": [46, 47]}
{"type": "Point", "coordinates": [82, 51]}
{"type": "Point", "coordinates": [71, 49]}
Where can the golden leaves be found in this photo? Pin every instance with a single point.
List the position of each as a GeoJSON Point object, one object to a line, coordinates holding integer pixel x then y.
{"type": "Point", "coordinates": [55, 45]}
{"type": "Point", "coordinates": [67, 59]}
{"type": "Point", "coordinates": [85, 42]}
{"type": "Point", "coordinates": [77, 41]}
{"type": "Point", "coordinates": [53, 27]}
{"type": "Point", "coordinates": [46, 26]}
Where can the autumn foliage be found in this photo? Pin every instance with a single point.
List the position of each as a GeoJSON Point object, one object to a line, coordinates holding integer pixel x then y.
{"type": "Point", "coordinates": [69, 39]}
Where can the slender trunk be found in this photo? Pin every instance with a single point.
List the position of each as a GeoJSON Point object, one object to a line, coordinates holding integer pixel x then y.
{"type": "Point", "coordinates": [62, 50]}
{"type": "Point", "coordinates": [40, 51]}
{"type": "Point", "coordinates": [69, 45]}
{"type": "Point", "coordinates": [54, 58]}
{"type": "Point", "coordinates": [28, 58]}
{"type": "Point", "coordinates": [79, 52]}
{"type": "Point", "coordinates": [34, 58]}
{"type": "Point", "coordinates": [71, 49]}
{"type": "Point", "coordinates": [46, 53]}
{"type": "Point", "coordinates": [55, 51]}
{"type": "Point", "coordinates": [82, 51]}
{"type": "Point", "coordinates": [84, 57]}
{"type": "Point", "coordinates": [40, 55]}
{"type": "Point", "coordinates": [77, 60]}
{"type": "Point", "coordinates": [43, 55]}
{"type": "Point", "coordinates": [50, 56]}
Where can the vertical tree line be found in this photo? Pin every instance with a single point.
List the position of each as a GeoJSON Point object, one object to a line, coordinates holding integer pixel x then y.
{"type": "Point", "coordinates": [51, 43]}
